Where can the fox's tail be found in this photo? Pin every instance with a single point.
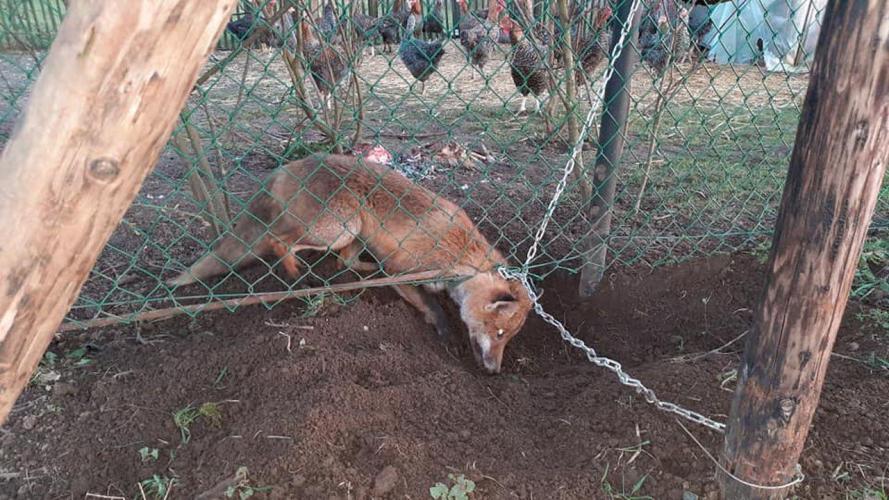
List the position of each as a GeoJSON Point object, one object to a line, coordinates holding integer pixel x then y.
{"type": "Point", "coordinates": [234, 251]}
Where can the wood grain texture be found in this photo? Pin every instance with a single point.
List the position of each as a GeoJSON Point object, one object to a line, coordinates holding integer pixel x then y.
{"type": "Point", "coordinates": [837, 166]}
{"type": "Point", "coordinates": [105, 104]}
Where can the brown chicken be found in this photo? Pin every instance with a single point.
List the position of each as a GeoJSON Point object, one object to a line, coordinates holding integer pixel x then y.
{"type": "Point", "coordinates": [527, 65]}
{"type": "Point", "coordinates": [326, 63]}
{"type": "Point", "coordinates": [478, 37]}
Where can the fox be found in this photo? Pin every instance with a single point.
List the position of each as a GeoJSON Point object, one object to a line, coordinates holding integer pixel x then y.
{"type": "Point", "coordinates": [348, 205]}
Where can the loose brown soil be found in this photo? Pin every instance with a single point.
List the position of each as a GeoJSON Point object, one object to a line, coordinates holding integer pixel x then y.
{"type": "Point", "coordinates": [318, 407]}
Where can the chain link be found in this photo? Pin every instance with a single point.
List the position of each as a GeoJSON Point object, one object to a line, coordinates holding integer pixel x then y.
{"type": "Point", "coordinates": [522, 276]}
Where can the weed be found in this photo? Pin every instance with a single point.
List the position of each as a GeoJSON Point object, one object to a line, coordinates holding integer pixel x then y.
{"type": "Point", "coordinates": [187, 416]}
{"type": "Point", "coordinates": [242, 489]}
{"type": "Point", "coordinates": [222, 373]}
{"type": "Point", "coordinates": [877, 362]}
{"type": "Point", "coordinates": [874, 258]}
{"type": "Point", "coordinates": [148, 454]}
{"type": "Point", "coordinates": [461, 489]}
{"type": "Point", "coordinates": [45, 372]}
{"type": "Point", "coordinates": [78, 357]}
{"type": "Point", "coordinates": [623, 494]}
{"type": "Point", "coordinates": [156, 486]}
{"type": "Point", "coordinates": [868, 494]}
{"type": "Point", "coordinates": [875, 316]}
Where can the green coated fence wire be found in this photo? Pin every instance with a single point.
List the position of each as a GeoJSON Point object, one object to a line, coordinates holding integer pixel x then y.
{"type": "Point", "coordinates": [714, 108]}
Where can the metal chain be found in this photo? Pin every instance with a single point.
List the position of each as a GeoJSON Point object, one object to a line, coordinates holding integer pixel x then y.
{"type": "Point", "coordinates": [522, 275]}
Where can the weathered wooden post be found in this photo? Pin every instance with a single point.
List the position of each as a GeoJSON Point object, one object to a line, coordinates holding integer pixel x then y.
{"type": "Point", "coordinates": [838, 163]}
{"type": "Point", "coordinates": [104, 106]}
{"type": "Point", "coordinates": [611, 147]}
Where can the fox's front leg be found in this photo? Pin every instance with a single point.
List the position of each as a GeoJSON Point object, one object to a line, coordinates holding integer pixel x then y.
{"type": "Point", "coordinates": [426, 304]}
{"type": "Point", "coordinates": [288, 259]}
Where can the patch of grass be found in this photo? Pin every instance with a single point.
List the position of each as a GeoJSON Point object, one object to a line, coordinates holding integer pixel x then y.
{"type": "Point", "coordinates": [874, 260]}
{"type": "Point", "coordinates": [876, 317]}
{"type": "Point", "coordinates": [868, 494]}
{"type": "Point", "coordinates": [217, 383]}
{"type": "Point", "coordinates": [78, 357]}
{"type": "Point", "coordinates": [241, 488]}
{"type": "Point", "coordinates": [46, 372]}
{"type": "Point", "coordinates": [623, 494]}
{"type": "Point", "coordinates": [461, 488]}
{"type": "Point", "coordinates": [148, 454]}
{"type": "Point", "coordinates": [877, 362]}
{"type": "Point", "coordinates": [187, 416]}
{"type": "Point", "coordinates": [156, 486]}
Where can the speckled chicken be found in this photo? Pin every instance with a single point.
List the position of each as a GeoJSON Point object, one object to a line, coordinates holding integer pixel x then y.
{"type": "Point", "coordinates": [367, 29]}
{"type": "Point", "coordinates": [327, 24]}
{"type": "Point", "coordinates": [433, 24]}
{"type": "Point", "coordinates": [591, 49]}
{"type": "Point", "coordinates": [476, 36]}
{"type": "Point", "coordinates": [244, 26]}
{"type": "Point", "coordinates": [325, 62]}
{"type": "Point", "coordinates": [391, 25]}
{"type": "Point", "coordinates": [663, 35]}
{"type": "Point", "coordinates": [420, 57]}
{"type": "Point", "coordinates": [527, 65]}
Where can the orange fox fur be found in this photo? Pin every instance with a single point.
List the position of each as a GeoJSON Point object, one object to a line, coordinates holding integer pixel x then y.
{"type": "Point", "coordinates": [348, 205]}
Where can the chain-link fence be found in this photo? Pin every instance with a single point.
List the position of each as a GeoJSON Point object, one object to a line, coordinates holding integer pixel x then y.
{"type": "Point", "coordinates": [714, 106]}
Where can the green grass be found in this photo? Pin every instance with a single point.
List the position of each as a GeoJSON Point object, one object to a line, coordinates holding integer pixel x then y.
{"type": "Point", "coordinates": [624, 491]}
{"type": "Point", "coordinates": [186, 417]}
{"type": "Point", "coordinates": [29, 24]}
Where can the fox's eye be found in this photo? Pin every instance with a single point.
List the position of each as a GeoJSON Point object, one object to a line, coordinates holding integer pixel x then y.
{"type": "Point", "coordinates": [500, 333]}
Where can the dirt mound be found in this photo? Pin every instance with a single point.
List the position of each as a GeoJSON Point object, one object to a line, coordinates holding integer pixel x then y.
{"type": "Point", "coordinates": [363, 400]}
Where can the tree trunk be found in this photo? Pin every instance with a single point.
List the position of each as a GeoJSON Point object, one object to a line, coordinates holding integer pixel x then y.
{"type": "Point", "coordinates": [99, 115]}
{"type": "Point", "coordinates": [611, 147]}
{"type": "Point", "coordinates": [838, 163]}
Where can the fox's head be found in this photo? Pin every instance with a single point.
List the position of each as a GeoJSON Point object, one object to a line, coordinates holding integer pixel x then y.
{"type": "Point", "coordinates": [494, 310]}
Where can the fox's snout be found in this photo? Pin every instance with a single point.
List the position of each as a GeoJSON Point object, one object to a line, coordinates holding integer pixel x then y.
{"type": "Point", "coordinates": [486, 357]}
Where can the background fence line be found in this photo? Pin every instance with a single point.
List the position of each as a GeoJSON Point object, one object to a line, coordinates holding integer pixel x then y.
{"type": "Point", "coordinates": [707, 147]}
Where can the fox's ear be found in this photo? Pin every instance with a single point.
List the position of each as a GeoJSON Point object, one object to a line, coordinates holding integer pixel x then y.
{"type": "Point", "coordinates": [505, 303]}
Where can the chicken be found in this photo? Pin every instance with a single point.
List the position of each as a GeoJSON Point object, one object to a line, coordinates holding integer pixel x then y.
{"type": "Point", "coordinates": [244, 27]}
{"type": "Point", "coordinates": [699, 24]}
{"type": "Point", "coordinates": [433, 24]}
{"type": "Point", "coordinates": [367, 29]}
{"type": "Point", "coordinates": [327, 25]}
{"type": "Point", "coordinates": [326, 63]}
{"type": "Point", "coordinates": [477, 37]}
{"type": "Point", "coordinates": [421, 57]}
{"type": "Point", "coordinates": [390, 31]}
{"type": "Point", "coordinates": [391, 25]}
{"type": "Point", "coordinates": [527, 66]}
{"type": "Point", "coordinates": [591, 48]}
{"type": "Point", "coordinates": [663, 35]}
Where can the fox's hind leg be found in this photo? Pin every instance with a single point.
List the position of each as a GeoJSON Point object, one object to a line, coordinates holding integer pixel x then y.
{"type": "Point", "coordinates": [288, 259]}
{"type": "Point", "coordinates": [426, 304]}
{"type": "Point", "coordinates": [348, 256]}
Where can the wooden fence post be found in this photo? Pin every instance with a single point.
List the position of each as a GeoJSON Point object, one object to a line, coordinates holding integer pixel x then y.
{"type": "Point", "coordinates": [104, 106]}
{"type": "Point", "coordinates": [611, 147]}
{"type": "Point", "coordinates": [838, 163]}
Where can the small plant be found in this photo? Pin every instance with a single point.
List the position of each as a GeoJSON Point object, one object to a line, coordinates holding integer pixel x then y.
{"type": "Point", "coordinates": [461, 489]}
{"type": "Point", "coordinates": [611, 492]}
{"type": "Point", "coordinates": [874, 257]}
{"type": "Point", "coordinates": [148, 454]}
{"type": "Point", "coordinates": [219, 378]}
{"type": "Point", "coordinates": [156, 486]}
{"type": "Point", "coordinates": [877, 362]}
{"type": "Point", "coordinates": [241, 489]}
{"type": "Point", "coordinates": [868, 494]}
{"type": "Point", "coordinates": [185, 417]}
{"type": "Point", "coordinates": [875, 316]}
{"type": "Point", "coordinates": [45, 372]}
{"type": "Point", "coordinates": [78, 357]}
